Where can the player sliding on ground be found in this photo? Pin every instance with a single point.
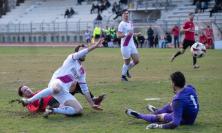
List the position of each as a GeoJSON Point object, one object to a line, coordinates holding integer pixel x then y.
{"type": "Point", "coordinates": [64, 77]}
{"type": "Point", "coordinates": [182, 110]}
{"type": "Point", "coordinates": [40, 105]}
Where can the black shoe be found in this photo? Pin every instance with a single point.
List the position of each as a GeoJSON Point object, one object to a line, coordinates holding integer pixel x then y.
{"type": "Point", "coordinates": [123, 78]}
{"type": "Point", "coordinates": [128, 74]}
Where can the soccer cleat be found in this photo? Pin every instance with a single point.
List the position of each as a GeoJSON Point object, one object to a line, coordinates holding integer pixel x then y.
{"type": "Point", "coordinates": [131, 113]}
{"type": "Point", "coordinates": [196, 66]}
{"type": "Point", "coordinates": [151, 108]}
{"type": "Point", "coordinates": [47, 112]}
{"type": "Point", "coordinates": [128, 74]}
{"type": "Point", "coordinates": [123, 78]}
{"type": "Point", "coordinates": [172, 59]}
{"type": "Point", "coordinates": [99, 99]}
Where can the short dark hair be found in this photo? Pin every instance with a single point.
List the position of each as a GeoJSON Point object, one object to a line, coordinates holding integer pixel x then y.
{"type": "Point", "coordinates": [20, 93]}
{"type": "Point", "coordinates": [124, 10]}
{"type": "Point", "coordinates": [191, 14]}
{"type": "Point", "coordinates": [78, 47]}
{"type": "Point", "coordinates": [178, 79]}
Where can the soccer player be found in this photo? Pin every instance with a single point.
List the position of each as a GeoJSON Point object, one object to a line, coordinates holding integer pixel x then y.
{"type": "Point", "coordinates": [189, 39]}
{"type": "Point", "coordinates": [128, 48]}
{"type": "Point", "coordinates": [182, 110]}
{"type": "Point", "coordinates": [64, 77]}
{"type": "Point", "coordinates": [40, 105]}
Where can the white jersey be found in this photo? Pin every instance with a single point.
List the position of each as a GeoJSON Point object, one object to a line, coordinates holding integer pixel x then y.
{"type": "Point", "coordinates": [125, 28]}
{"type": "Point", "coordinates": [71, 71]}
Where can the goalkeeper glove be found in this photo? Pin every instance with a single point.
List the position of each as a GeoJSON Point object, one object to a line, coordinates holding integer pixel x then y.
{"type": "Point", "coordinates": [154, 125]}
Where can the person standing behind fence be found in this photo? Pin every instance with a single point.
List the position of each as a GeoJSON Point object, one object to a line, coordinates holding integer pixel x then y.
{"type": "Point", "coordinates": [176, 31]}
{"type": "Point", "coordinates": [209, 35]}
{"type": "Point", "coordinates": [150, 36]}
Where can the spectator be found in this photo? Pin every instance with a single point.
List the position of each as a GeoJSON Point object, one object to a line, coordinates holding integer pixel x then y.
{"type": "Point", "coordinates": [209, 35]}
{"type": "Point", "coordinates": [176, 31]}
{"type": "Point", "coordinates": [198, 6]}
{"type": "Point", "coordinates": [72, 12]}
{"type": "Point", "coordinates": [87, 36]}
{"type": "Point", "coordinates": [118, 14]}
{"type": "Point", "coordinates": [97, 32]}
{"type": "Point", "coordinates": [150, 36]}
{"type": "Point", "coordinates": [123, 1]}
{"type": "Point", "coordinates": [99, 17]}
{"type": "Point", "coordinates": [156, 40]}
{"type": "Point", "coordinates": [106, 3]}
{"type": "Point", "coordinates": [203, 38]}
{"type": "Point", "coordinates": [67, 13]}
{"type": "Point", "coordinates": [167, 39]}
{"type": "Point", "coordinates": [141, 40]}
{"type": "Point", "coordinates": [217, 7]}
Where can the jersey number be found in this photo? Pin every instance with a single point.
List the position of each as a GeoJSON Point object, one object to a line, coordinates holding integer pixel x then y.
{"type": "Point", "coordinates": [193, 100]}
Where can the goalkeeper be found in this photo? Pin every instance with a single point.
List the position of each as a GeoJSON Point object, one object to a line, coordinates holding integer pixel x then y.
{"type": "Point", "coordinates": [182, 110]}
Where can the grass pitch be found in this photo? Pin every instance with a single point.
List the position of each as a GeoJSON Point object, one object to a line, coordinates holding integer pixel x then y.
{"type": "Point", "coordinates": [34, 66]}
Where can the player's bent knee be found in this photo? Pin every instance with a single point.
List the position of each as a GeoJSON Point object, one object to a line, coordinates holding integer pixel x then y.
{"type": "Point", "coordinates": [76, 105]}
{"type": "Point", "coordinates": [161, 117]}
{"type": "Point", "coordinates": [56, 87]}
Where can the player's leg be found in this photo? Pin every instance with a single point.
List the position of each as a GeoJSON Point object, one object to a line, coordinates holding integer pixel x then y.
{"type": "Point", "coordinates": [125, 69]}
{"type": "Point", "coordinates": [69, 105]}
{"type": "Point", "coordinates": [125, 51]}
{"type": "Point", "coordinates": [152, 118]}
{"type": "Point", "coordinates": [43, 93]}
{"type": "Point", "coordinates": [135, 59]}
{"type": "Point", "coordinates": [165, 109]}
{"type": "Point", "coordinates": [185, 45]}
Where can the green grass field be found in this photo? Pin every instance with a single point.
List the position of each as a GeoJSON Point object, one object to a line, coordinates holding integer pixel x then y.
{"type": "Point", "coordinates": [34, 67]}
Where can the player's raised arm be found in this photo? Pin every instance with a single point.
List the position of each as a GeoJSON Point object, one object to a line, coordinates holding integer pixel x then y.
{"type": "Point", "coordinates": [82, 53]}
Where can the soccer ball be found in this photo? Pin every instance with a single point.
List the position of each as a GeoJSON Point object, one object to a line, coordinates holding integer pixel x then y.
{"type": "Point", "coordinates": [198, 50]}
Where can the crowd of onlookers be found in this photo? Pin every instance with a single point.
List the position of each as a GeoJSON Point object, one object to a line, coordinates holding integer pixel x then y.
{"type": "Point", "coordinates": [202, 5]}
{"type": "Point", "coordinates": [4, 6]}
{"type": "Point", "coordinates": [69, 13]}
{"type": "Point", "coordinates": [151, 39]}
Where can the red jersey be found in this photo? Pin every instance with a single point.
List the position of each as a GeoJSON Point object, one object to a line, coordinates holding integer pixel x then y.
{"type": "Point", "coordinates": [35, 106]}
{"type": "Point", "coordinates": [189, 35]}
{"type": "Point", "coordinates": [175, 31]}
{"type": "Point", "coordinates": [209, 32]}
{"type": "Point", "coordinates": [203, 39]}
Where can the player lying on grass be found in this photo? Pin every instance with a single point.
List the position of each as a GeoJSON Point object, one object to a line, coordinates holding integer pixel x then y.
{"type": "Point", "coordinates": [63, 78]}
{"type": "Point", "coordinates": [40, 105]}
{"type": "Point", "coordinates": [182, 110]}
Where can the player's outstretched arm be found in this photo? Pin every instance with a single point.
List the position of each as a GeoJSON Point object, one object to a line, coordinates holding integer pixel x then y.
{"type": "Point", "coordinates": [96, 45]}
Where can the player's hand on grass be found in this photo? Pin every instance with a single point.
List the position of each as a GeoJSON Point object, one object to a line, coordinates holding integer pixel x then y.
{"type": "Point", "coordinates": [97, 107]}
{"type": "Point", "coordinates": [153, 126]}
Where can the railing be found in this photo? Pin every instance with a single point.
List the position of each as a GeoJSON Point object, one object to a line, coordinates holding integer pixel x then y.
{"type": "Point", "coordinates": [148, 4]}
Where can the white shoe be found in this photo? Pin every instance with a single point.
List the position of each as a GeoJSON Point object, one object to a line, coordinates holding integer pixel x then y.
{"type": "Point", "coordinates": [196, 66]}
{"type": "Point", "coordinates": [131, 113]}
{"type": "Point", "coordinates": [47, 112]}
{"type": "Point", "coordinates": [151, 108]}
{"type": "Point", "coordinates": [24, 101]}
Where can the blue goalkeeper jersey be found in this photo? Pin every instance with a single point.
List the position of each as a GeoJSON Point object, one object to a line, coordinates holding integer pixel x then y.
{"type": "Point", "coordinates": [185, 107]}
